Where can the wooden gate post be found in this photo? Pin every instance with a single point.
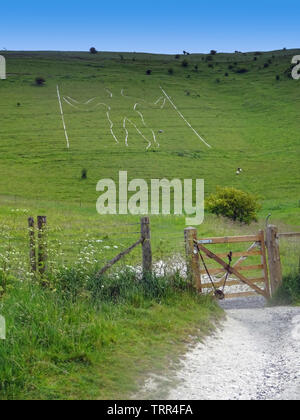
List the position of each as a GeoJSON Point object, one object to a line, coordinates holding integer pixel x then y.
{"type": "Point", "coordinates": [32, 254]}
{"type": "Point", "coordinates": [192, 258]}
{"type": "Point", "coordinates": [146, 246]}
{"type": "Point", "coordinates": [42, 247]}
{"type": "Point", "coordinates": [274, 258]}
{"type": "Point", "coordinates": [261, 234]}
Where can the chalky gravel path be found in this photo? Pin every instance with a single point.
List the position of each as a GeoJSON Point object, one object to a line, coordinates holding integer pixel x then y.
{"type": "Point", "coordinates": [254, 355]}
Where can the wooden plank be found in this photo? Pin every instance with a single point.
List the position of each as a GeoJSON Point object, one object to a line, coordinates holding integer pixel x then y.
{"type": "Point", "coordinates": [232, 270]}
{"type": "Point", "coordinates": [213, 271]}
{"type": "Point", "coordinates": [229, 239]}
{"type": "Point", "coordinates": [289, 235]}
{"type": "Point", "coordinates": [243, 258]}
{"type": "Point", "coordinates": [241, 268]}
{"type": "Point", "coordinates": [264, 262]}
{"type": "Point", "coordinates": [231, 283]}
{"type": "Point", "coordinates": [241, 294]}
{"type": "Point", "coordinates": [118, 257]}
{"type": "Point", "coordinates": [251, 267]}
{"type": "Point", "coordinates": [239, 254]}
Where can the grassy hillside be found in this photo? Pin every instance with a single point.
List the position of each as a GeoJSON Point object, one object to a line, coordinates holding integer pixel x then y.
{"type": "Point", "coordinates": [70, 340]}
{"type": "Point", "coordinates": [234, 101]}
{"type": "Point", "coordinates": [250, 119]}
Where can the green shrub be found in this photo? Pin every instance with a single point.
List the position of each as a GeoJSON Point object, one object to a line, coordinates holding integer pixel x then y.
{"type": "Point", "coordinates": [234, 204]}
{"type": "Point", "coordinates": [242, 71]}
{"type": "Point", "coordinates": [40, 81]}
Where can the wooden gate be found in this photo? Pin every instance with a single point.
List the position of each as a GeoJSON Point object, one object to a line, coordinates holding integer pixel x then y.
{"type": "Point", "coordinates": [217, 263]}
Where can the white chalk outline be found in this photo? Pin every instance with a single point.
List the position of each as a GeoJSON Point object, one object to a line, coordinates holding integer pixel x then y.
{"type": "Point", "coordinates": [180, 114]}
{"type": "Point", "coordinates": [143, 100]}
{"type": "Point", "coordinates": [163, 104]}
{"type": "Point", "coordinates": [126, 136]}
{"type": "Point", "coordinates": [69, 101]}
{"type": "Point", "coordinates": [111, 125]}
{"type": "Point", "coordinates": [75, 104]}
{"type": "Point", "coordinates": [62, 117]}
{"type": "Point", "coordinates": [145, 125]}
{"type": "Point", "coordinates": [109, 92]}
{"type": "Point", "coordinates": [142, 117]}
{"type": "Point", "coordinates": [141, 134]}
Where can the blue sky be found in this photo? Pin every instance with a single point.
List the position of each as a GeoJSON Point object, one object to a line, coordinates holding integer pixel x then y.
{"type": "Point", "coordinates": [164, 26]}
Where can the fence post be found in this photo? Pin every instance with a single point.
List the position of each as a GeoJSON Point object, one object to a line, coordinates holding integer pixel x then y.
{"type": "Point", "coordinates": [192, 258]}
{"type": "Point", "coordinates": [261, 234]}
{"type": "Point", "coordinates": [42, 247]}
{"type": "Point", "coordinates": [146, 246]}
{"type": "Point", "coordinates": [32, 254]}
{"type": "Point", "coordinates": [274, 258]}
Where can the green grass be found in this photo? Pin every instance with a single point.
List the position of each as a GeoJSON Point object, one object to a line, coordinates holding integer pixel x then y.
{"type": "Point", "coordinates": [289, 292]}
{"type": "Point", "coordinates": [96, 343]}
{"type": "Point", "coordinates": [60, 349]}
{"type": "Point", "coordinates": [249, 119]}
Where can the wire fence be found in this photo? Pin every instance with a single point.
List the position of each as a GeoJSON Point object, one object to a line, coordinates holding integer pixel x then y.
{"type": "Point", "coordinates": [81, 245]}
{"type": "Point", "coordinates": [85, 245]}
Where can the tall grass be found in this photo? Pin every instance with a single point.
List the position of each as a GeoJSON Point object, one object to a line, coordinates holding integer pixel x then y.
{"type": "Point", "coordinates": [86, 337]}
{"type": "Point", "coordinates": [289, 292]}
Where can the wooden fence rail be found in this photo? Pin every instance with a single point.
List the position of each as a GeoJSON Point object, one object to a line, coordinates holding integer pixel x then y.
{"type": "Point", "coordinates": [289, 235]}
{"type": "Point", "coordinates": [118, 258]}
{"type": "Point", "coordinates": [145, 241]}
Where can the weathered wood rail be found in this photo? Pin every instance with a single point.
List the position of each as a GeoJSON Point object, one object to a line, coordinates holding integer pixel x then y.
{"type": "Point", "coordinates": [145, 241]}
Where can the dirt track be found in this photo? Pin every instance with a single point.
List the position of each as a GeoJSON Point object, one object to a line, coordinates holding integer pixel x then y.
{"type": "Point", "coordinates": [255, 355]}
